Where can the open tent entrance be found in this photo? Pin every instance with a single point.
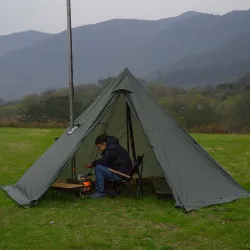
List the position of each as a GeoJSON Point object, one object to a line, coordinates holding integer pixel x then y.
{"type": "Point", "coordinates": [118, 119]}
{"type": "Point", "coordinates": [170, 153]}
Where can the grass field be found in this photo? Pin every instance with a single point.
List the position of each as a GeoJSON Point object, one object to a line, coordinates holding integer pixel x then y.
{"type": "Point", "coordinates": [121, 223]}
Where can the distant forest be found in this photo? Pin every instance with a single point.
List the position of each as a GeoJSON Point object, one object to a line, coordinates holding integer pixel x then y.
{"type": "Point", "coordinates": [221, 109]}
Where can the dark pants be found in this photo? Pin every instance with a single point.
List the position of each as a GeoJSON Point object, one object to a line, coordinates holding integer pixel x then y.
{"type": "Point", "coordinates": [101, 174]}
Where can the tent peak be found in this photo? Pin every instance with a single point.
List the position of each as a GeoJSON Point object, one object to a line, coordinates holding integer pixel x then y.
{"type": "Point", "coordinates": [127, 72]}
{"type": "Point", "coordinates": [125, 82]}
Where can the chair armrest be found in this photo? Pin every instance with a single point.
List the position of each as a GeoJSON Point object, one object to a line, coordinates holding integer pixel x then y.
{"type": "Point", "coordinates": [119, 173]}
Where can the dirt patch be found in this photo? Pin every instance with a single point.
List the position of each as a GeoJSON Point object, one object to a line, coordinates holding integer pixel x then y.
{"type": "Point", "coordinates": [214, 149]}
{"type": "Point", "coordinates": [219, 148]}
{"type": "Point", "coordinates": [4, 168]}
{"type": "Point", "coordinates": [192, 213]}
{"type": "Point", "coordinates": [39, 132]}
{"type": "Point", "coordinates": [166, 226]}
{"type": "Point", "coordinates": [1, 211]}
{"type": "Point", "coordinates": [18, 145]}
{"type": "Point", "coordinates": [209, 149]}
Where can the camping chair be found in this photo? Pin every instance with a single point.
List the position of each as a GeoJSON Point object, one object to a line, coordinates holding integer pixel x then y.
{"type": "Point", "coordinates": [126, 179]}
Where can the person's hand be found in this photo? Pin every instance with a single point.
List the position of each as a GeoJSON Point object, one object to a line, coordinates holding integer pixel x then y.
{"type": "Point", "coordinates": [88, 166]}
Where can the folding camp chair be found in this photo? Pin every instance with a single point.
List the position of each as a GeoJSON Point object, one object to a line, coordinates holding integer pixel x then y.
{"type": "Point", "coordinates": [126, 179]}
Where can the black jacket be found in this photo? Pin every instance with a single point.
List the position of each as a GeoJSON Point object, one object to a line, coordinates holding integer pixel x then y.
{"type": "Point", "coordinates": [115, 157]}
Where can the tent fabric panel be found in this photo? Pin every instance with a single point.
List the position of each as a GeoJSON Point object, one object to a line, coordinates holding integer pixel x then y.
{"type": "Point", "coordinates": [187, 169]}
{"type": "Point", "coordinates": [126, 85]}
{"type": "Point", "coordinates": [38, 178]}
{"type": "Point", "coordinates": [16, 195]}
{"type": "Point", "coordinates": [151, 167]}
{"type": "Point", "coordinates": [223, 200]}
{"type": "Point", "coordinates": [195, 182]}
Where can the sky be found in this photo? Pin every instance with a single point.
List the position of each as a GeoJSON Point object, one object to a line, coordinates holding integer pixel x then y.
{"type": "Point", "coordinates": [50, 15]}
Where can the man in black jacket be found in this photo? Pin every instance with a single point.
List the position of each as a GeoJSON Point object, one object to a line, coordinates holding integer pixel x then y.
{"type": "Point", "coordinates": [113, 156]}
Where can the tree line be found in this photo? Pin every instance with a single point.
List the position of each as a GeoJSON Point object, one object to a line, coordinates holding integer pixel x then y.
{"type": "Point", "coordinates": [221, 109]}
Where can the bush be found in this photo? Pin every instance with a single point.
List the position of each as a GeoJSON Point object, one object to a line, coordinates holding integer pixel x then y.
{"type": "Point", "coordinates": [213, 129]}
{"type": "Point", "coordinates": [12, 122]}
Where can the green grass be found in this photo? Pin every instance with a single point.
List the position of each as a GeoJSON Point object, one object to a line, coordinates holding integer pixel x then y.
{"type": "Point", "coordinates": [121, 223]}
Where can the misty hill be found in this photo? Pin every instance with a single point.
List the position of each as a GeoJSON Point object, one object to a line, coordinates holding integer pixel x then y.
{"type": "Point", "coordinates": [98, 50]}
{"type": "Point", "coordinates": [164, 50]}
{"type": "Point", "coordinates": [242, 84]}
{"type": "Point", "coordinates": [224, 61]}
{"type": "Point", "coordinates": [20, 40]}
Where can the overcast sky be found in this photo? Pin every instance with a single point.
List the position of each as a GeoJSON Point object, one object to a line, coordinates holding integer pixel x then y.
{"type": "Point", "coordinates": [50, 15]}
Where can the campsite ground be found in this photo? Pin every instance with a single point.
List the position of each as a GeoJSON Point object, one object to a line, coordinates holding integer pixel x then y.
{"type": "Point", "coordinates": [122, 223]}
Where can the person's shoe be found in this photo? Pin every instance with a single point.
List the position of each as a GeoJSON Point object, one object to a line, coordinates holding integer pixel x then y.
{"type": "Point", "coordinates": [97, 195]}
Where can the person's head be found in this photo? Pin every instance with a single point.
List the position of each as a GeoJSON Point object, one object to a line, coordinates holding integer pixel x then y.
{"type": "Point", "coordinates": [101, 142]}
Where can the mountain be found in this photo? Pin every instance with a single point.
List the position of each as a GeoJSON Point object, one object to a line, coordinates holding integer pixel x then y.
{"type": "Point", "coordinates": [98, 50]}
{"type": "Point", "coordinates": [226, 63]}
{"type": "Point", "coordinates": [219, 52]}
{"type": "Point", "coordinates": [175, 50]}
{"type": "Point", "coordinates": [20, 40]}
{"type": "Point", "coordinates": [241, 84]}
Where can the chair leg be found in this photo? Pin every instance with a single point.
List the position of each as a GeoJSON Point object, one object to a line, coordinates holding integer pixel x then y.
{"type": "Point", "coordinates": [134, 182]}
{"type": "Point", "coordinates": [129, 187]}
{"type": "Point", "coordinates": [54, 193]}
{"type": "Point", "coordinates": [121, 189]}
{"type": "Point", "coordinates": [139, 188]}
{"type": "Point", "coordinates": [142, 191]}
{"type": "Point", "coordinates": [116, 193]}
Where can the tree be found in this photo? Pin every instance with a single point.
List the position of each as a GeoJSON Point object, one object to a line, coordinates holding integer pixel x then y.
{"type": "Point", "coordinates": [50, 109]}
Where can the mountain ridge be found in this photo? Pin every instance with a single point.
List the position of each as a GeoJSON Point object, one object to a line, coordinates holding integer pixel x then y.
{"type": "Point", "coordinates": [20, 40]}
{"type": "Point", "coordinates": [149, 48]}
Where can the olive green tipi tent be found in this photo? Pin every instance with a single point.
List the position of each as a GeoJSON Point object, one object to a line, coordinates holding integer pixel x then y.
{"type": "Point", "coordinates": [195, 179]}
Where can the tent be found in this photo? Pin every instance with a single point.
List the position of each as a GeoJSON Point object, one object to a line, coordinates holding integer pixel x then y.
{"type": "Point", "coordinates": [195, 179]}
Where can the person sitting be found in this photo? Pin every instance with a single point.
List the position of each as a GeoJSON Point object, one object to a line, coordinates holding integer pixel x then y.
{"type": "Point", "coordinates": [114, 156]}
